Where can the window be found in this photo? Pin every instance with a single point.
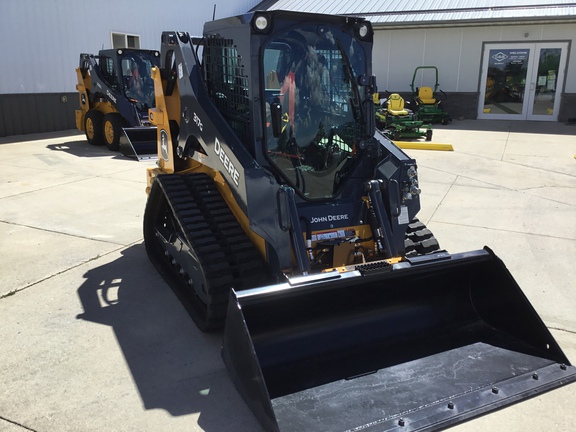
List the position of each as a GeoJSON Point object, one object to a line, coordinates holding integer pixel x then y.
{"type": "Point", "coordinates": [228, 83]}
{"type": "Point", "coordinates": [108, 69]}
{"type": "Point", "coordinates": [309, 78]}
{"type": "Point", "coordinates": [125, 40]}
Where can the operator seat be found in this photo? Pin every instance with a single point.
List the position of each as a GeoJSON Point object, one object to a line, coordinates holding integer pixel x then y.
{"type": "Point", "coordinates": [426, 95]}
{"type": "Point", "coordinates": [396, 105]}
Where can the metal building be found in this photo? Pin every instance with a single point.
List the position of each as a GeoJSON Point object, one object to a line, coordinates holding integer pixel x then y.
{"type": "Point", "coordinates": [41, 41]}
{"type": "Point", "coordinates": [496, 59]}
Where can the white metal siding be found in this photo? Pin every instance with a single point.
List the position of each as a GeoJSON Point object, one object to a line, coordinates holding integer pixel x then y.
{"type": "Point", "coordinates": [457, 52]}
{"type": "Point", "coordinates": [41, 40]}
{"type": "Point", "coordinates": [402, 12]}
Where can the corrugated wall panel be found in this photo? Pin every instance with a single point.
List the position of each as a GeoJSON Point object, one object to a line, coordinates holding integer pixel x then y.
{"type": "Point", "coordinates": [456, 51]}
{"type": "Point", "coordinates": [403, 6]}
{"type": "Point", "coordinates": [41, 40]}
{"type": "Point", "coordinates": [33, 113]}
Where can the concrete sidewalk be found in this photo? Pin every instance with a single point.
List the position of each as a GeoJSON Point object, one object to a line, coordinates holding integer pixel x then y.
{"type": "Point", "coordinates": [92, 339]}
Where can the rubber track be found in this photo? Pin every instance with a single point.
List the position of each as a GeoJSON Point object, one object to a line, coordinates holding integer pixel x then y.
{"type": "Point", "coordinates": [419, 240]}
{"type": "Point", "coordinates": [227, 256]}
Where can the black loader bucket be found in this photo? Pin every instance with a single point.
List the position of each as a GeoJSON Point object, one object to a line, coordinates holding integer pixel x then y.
{"type": "Point", "coordinates": [421, 347]}
{"type": "Point", "coordinates": [139, 142]}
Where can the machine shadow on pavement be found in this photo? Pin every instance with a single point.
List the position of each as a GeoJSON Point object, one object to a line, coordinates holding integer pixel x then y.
{"type": "Point", "coordinates": [83, 149]}
{"type": "Point", "coordinates": [175, 366]}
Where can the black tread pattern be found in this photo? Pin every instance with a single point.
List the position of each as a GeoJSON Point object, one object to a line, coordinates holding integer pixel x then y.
{"type": "Point", "coordinates": [227, 257]}
{"type": "Point", "coordinates": [419, 240]}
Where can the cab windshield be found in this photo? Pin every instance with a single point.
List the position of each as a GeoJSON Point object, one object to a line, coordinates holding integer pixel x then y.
{"type": "Point", "coordinates": [310, 77]}
{"type": "Point", "coordinates": [137, 78]}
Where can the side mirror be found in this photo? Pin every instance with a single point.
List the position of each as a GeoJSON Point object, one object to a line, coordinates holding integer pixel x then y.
{"type": "Point", "coordinates": [276, 117]}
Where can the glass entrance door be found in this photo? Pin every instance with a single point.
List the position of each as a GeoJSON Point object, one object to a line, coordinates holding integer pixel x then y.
{"type": "Point", "coordinates": [547, 80]}
{"type": "Point", "coordinates": [522, 81]}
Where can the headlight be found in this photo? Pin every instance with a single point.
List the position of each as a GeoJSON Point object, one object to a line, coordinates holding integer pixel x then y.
{"type": "Point", "coordinates": [363, 30]}
{"type": "Point", "coordinates": [261, 23]}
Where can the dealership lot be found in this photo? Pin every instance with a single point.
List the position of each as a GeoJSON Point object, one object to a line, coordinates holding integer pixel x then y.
{"type": "Point", "coordinates": [93, 339]}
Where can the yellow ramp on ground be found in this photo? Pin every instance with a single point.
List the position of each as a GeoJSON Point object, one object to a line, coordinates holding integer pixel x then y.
{"type": "Point", "coordinates": [411, 145]}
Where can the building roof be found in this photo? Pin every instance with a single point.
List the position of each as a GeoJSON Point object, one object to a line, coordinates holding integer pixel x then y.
{"type": "Point", "coordinates": [430, 13]}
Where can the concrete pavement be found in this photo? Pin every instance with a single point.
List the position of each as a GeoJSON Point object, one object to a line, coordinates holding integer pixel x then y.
{"type": "Point", "coordinates": [92, 339]}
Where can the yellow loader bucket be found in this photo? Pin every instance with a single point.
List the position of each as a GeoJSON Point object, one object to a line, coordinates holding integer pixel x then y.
{"type": "Point", "coordinates": [419, 346]}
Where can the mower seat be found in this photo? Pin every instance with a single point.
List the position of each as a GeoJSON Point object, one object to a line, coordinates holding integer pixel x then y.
{"type": "Point", "coordinates": [426, 95]}
{"type": "Point", "coordinates": [396, 105]}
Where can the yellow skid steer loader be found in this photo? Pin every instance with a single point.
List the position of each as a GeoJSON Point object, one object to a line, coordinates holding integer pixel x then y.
{"type": "Point", "coordinates": [115, 91]}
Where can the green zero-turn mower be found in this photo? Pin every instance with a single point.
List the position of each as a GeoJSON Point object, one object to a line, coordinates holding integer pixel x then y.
{"type": "Point", "coordinates": [429, 107]}
{"type": "Point", "coordinates": [396, 121]}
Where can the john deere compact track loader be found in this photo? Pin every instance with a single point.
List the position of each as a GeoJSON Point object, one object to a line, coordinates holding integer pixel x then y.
{"type": "Point", "coordinates": [115, 92]}
{"type": "Point", "coordinates": [277, 211]}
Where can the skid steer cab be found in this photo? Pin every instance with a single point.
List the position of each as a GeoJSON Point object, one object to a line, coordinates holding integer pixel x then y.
{"type": "Point", "coordinates": [115, 92]}
{"type": "Point", "coordinates": [279, 212]}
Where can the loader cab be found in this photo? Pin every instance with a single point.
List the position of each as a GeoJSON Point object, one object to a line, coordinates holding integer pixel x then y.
{"type": "Point", "coordinates": [128, 72]}
{"type": "Point", "coordinates": [136, 72]}
{"type": "Point", "coordinates": [313, 106]}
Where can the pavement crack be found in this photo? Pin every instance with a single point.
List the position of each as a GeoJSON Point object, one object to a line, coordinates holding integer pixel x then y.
{"type": "Point", "coordinates": [505, 147]}
{"type": "Point", "coordinates": [17, 290]}
{"type": "Point", "coordinates": [17, 424]}
{"type": "Point", "coordinates": [61, 233]}
{"type": "Point", "coordinates": [41, 189]}
{"type": "Point", "coordinates": [510, 231]}
{"type": "Point", "coordinates": [442, 200]}
{"type": "Point", "coordinates": [573, 332]}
